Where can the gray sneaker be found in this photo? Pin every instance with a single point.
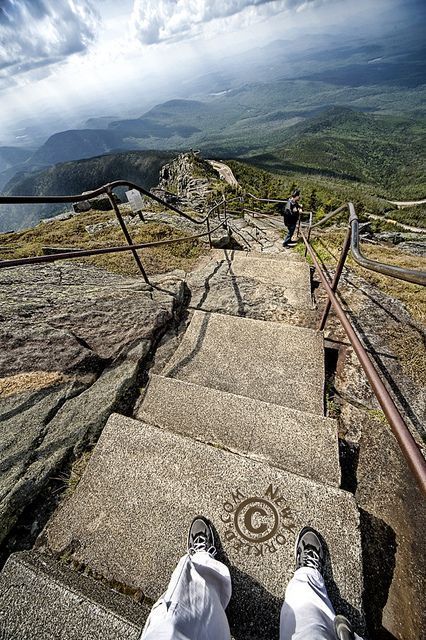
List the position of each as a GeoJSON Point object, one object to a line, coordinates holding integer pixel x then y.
{"type": "Point", "coordinates": [343, 628]}
{"type": "Point", "coordinates": [309, 551]}
{"type": "Point", "coordinates": [201, 537]}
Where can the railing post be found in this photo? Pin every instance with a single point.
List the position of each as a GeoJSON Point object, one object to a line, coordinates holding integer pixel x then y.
{"type": "Point", "coordinates": [208, 231]}
{"type": "Point", "coordinates": [337, 275]}
{"type": "Point", "coordinates": [126, 234]}
{"type": "Point", "coordinates": [308, 239]}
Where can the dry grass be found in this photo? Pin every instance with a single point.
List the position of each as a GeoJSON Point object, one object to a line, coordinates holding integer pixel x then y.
{"type": "Point", "coordinates": [406, 344]}
{"type": "Point", "coordinates": [72, 233]}
{"type": "Point", "coordinates": [328, 246]}
{"type": "Point", "coordinates": [411, 354]}
{"type": "Point", "coordinates": [76, 472]}
{"type": "Point", "coordinates": [30, 381]}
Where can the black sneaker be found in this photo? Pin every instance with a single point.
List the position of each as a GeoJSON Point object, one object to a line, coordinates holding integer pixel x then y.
{"type": "Point", "coordinates": [343, 628]}
{"type": "Point", "coordinates": [201, 537]}
{"type": "Point", "coordinates": [309, 551]}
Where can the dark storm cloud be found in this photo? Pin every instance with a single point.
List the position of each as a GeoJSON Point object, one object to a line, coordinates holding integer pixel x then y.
{"type": "Point", "coordinates": [35, 33]}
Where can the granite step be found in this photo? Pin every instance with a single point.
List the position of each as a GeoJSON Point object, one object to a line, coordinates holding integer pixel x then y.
{"type": "Point", "coordinates": [298, 442]}
{"type": "Point", "coordinates": [295, 277]}
{"type": "Point", "coordinates": [128, 520]}
{"type": "Point", "coordinates": [42, 599]}
{"type": "Point", "coordinates": [269, 361]}
{"type": "Point", "coordinates": [282, 256]}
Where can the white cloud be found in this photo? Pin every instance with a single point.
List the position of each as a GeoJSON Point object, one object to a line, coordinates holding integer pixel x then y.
{"type": "Point", "coordinates": [39, 33]}
{"type": "Point", "coordinates": [161, 20]}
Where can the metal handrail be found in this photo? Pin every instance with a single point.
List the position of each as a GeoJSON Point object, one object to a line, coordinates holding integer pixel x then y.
{"type": "Point", "coordinates": [108, 190]}
{"type": "Point", "coordinates": [84, 253]}
{"type": "Point", "coordinates": [409, 275]}
{"type": "Point", "coordinates": [406, 441]}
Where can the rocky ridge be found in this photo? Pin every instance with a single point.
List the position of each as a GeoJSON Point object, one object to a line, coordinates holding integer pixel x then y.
{"type": "Point", "coordinates": [74, 341]}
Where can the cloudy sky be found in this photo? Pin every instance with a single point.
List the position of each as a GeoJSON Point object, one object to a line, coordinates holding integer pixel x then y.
{"type": "Point", "coordinates": [56, 56]}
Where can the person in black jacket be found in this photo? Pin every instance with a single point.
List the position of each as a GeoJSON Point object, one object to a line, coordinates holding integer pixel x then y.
{"type": "Point", "coordinates": [291, 215]}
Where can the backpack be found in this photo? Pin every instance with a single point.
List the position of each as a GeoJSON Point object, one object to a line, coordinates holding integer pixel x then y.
{"type": "Point", "coordinates": [282, 207]}
{"type": "Point", "coordinates": [287, 215]}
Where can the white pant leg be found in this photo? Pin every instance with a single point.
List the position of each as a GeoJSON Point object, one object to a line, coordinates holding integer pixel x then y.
{"type": "Point", "coordinates": [193, 607]}
{"type": "Point", "coordinates": [307, 613]}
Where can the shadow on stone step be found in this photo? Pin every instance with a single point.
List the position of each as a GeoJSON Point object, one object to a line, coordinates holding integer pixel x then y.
{"type": "Point", "coordinates": [253, 612]}
{"type": "Point", "coordinates": [207, 283]}
{"type": "Point", "coordinates": [200, 338]}
{"type": "Point", "coordinates": [379, 558]}
{"type": "Point", "coordinates": [340, 605]}
{"type": "Point", "coordinates": [348, 457]}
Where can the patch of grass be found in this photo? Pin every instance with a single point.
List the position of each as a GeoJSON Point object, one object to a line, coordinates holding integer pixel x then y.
{"type": "Point", "coordinates": [409, 346]}
{"type": "Point", "coordinates": [76, 472]}
{"type": "Point", "coordinates": [377, 414]}
{"type": "Point", "coordinates": [413, 216]}
{"type": "Point", "coordinates": [328, 246]}
{"type": "Point", "coordinates": [72, 234]}
{"type": "Point", "coordinates": [413, 296]}
{"type": "Point", "coordinates": [333, 409]}
{"type": "Point", "coordinates": [29, 381]}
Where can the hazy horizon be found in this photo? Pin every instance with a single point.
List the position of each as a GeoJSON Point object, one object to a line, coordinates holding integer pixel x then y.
{"type": "Point", "coordinates": [63, 62]}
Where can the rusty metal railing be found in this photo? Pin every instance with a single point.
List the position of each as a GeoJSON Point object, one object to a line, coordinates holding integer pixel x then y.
{"type": "Point", "coordinates": [407, 443]}
{"type": "Point", "coordinates": [108, 190]}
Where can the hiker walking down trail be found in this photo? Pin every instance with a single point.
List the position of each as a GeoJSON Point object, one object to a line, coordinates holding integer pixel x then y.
{"type": "Point", "coordinates": [291, 215]}
{"type": "Point", "coordinates": [193, 606]}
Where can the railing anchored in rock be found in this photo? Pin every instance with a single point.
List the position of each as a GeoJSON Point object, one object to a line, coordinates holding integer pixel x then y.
{"type": "Point", "coordinates": [400, 429]}
{"type": "Point", "coordinates": [218, 209]}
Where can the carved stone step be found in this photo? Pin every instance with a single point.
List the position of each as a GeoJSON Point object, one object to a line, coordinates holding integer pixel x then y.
{"type": "Point", "coordinates": [42, 599]}
{"type": "Point", "coordinates": [128, 521]}
{"type": "Point", "coordinates": [302, 443]}
{"type": "Point", "coordinates": [270, 361]}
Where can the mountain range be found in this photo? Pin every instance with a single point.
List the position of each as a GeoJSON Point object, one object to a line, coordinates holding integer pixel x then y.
{"type": "Point", "coordinates": [348, 109]}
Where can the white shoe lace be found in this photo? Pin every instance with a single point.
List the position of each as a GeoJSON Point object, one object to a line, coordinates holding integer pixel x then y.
{"type": "Point", "coordinates": [310, 558]}
{"type": "Point", "coordinates": [200, 544]}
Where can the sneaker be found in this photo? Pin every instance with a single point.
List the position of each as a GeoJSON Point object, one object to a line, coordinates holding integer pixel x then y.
{"type": "Point", "coordinates": [201, 537]}
{"type": "Point", "coordinates": [343, 628]}
{"type": "Point", "coordinates": [309, 551]}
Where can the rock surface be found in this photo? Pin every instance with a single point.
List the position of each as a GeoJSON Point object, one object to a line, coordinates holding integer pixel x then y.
{"type": "Point", "coordinates": [215, 287]}
{"type": "Point", "coordinates": [73, 342]}
{"type": "Point", "coordinates": [190, 178]}
{"type": "Point", "coordinates": [41, 599]}
{"type": "Point", "coordinates": [394, 558]}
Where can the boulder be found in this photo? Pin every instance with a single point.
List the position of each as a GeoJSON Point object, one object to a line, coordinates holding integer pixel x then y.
{"type": "Point", "coordinates": [74, 340]}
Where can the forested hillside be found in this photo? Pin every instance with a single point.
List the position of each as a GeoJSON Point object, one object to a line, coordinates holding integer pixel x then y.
{"type": "Point", "coordinates": [71, 178]}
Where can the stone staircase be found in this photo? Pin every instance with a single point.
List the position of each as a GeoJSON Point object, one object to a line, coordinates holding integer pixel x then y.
{"type": "Point", "coordinates": [232, 428]}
